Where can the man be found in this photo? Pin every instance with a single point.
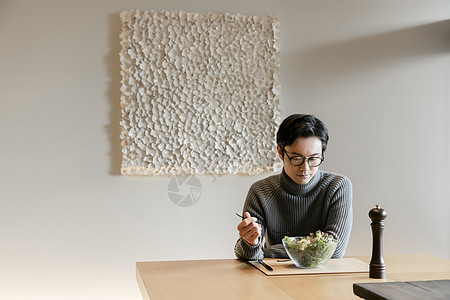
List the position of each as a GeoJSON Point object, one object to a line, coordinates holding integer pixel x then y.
{"type": "Point", "coordinates": [300, 200]}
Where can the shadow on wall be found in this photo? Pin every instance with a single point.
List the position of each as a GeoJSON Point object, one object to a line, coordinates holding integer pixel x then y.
{"type": "Point", "coordinates": [113, 69]}
{"type": "Point", "coordinates": [351, 57]}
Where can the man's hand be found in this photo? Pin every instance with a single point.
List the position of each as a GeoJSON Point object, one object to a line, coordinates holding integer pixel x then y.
{"type": "Point", "coordinates": [249, 230]}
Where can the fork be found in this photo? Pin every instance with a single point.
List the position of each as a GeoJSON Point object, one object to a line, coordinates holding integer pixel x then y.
{"type": "Point", "coordinates": [265, 225]}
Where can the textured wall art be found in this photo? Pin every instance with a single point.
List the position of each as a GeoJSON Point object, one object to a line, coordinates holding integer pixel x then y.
{"type": "Point", "coordinates": [199, 93]}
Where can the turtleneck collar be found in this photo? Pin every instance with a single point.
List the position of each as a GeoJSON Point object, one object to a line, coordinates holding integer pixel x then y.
{"type": "Point", "coordinates": [299, 189]}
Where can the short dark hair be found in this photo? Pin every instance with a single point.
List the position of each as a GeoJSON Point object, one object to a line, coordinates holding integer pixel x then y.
{"type": "Point", "coordinates": [301, 125]}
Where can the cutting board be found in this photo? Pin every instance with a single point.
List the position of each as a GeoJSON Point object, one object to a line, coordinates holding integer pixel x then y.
{"type": "Point", "coordinates": [333, 266]}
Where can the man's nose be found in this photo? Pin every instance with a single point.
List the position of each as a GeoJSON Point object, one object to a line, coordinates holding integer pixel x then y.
{"type": "Point", "coordinates": [305, 166]}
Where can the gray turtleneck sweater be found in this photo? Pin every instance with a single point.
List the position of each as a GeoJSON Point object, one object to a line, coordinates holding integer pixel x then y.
{"type": "Point", "coordinates": [287, 208]}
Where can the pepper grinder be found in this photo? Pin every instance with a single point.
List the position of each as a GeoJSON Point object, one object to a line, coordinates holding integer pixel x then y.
{"type": "Point", "coordinates": [377, 267]}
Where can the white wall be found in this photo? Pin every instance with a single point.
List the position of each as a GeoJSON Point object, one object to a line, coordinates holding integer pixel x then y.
{"type": "Point", "coordinates": [71, 227]}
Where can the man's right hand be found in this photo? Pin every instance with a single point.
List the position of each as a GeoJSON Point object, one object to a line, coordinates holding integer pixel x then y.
{"type": "Point", "coordinates": [249, 230]}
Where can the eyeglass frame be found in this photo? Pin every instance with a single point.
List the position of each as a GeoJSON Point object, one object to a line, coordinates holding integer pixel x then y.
{"type": "Point", "coordinates": [304, 159]}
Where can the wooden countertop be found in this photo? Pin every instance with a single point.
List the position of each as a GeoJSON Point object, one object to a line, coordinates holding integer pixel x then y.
{"type": "Point", "coordinates": [233, 279]}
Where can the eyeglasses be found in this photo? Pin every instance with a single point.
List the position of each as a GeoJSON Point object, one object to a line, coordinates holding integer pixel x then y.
{"type": "Point", "coordinates": [298, 160]}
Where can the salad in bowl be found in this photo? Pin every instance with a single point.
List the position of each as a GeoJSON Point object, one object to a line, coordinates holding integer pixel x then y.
{"type": "Point", "coordinates": [311, 251]}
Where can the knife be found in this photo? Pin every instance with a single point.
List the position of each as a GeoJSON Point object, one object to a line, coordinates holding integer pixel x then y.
{"type": "Point", "coordinates": [269, 268]}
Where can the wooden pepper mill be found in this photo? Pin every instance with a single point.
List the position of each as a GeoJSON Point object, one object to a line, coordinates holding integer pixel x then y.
{"type": "Point", "coordinates": [377, 268]}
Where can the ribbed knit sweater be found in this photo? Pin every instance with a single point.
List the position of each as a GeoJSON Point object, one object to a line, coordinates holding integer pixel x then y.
{"type": "Point", "coordinates": [287, 208]}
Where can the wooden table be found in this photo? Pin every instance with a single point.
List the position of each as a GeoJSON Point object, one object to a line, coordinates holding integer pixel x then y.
{"type": "Point", "coordinates": [233, 279]}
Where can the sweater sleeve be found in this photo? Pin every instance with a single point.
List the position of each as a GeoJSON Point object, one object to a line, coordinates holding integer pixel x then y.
{"type": "Point", "coordinates": [243, 249]}
{"type": "Point", "coordinates": [340, 215]}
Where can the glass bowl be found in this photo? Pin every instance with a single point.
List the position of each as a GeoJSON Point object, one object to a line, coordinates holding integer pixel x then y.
{"type": "Point", "coordinates": [307, 252]}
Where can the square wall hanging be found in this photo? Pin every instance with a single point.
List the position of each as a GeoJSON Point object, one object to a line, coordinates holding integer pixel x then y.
{"type": "Point", "coordinates": [199, 93]}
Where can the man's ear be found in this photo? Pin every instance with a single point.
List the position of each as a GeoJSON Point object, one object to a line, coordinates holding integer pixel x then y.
{"type": "Point", "coordinates": [280, 152]}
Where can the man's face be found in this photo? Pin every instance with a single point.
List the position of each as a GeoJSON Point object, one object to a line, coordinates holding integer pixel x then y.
{"type": "Point", "coordinates": [305, 147]}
